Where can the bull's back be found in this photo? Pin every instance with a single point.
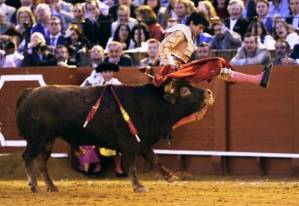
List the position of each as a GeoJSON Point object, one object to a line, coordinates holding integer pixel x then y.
{"type": "Point", "coordinates": [42, 107]}
{"type": "Point", "coordinates": [50, 101]}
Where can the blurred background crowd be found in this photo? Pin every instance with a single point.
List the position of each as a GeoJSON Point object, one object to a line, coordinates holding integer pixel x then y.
{"type": "Point", "coordinates": [76, 33]}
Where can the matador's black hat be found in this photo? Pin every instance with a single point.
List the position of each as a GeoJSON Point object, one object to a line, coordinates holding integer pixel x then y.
{"type": "Point", "coordinates": [107, 66]}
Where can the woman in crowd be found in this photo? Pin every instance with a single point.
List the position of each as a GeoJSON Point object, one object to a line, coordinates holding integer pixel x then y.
{"type": "Point", "coordinates": [159, 10]}
{"type": "Point", "coordinates": [78, 13]}
{"type": "Point", "coordinates": [283, 31]}
{"type": "Point", "coordinates": [75, 41]}
{"type": "Point", "coordinates": [140, 33]}
{"type": "Point", "coordinates": [257, 28]}
{"type": "Point", "coordinates": [208, 9]}
{"type": "Point", "coordinates": [221, 8]}
{"type": "Point", "coordinates": [122, 35]}
{"type": "Point", "coordinates": [148, 16]}
{"type": "Point", "coordinates": [25, 21]}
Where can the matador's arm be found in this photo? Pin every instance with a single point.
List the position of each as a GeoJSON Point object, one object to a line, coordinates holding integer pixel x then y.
{"type": "Point", "coordinates": [169, 44]}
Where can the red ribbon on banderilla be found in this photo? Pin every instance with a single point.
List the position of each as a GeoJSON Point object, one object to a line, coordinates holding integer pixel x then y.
{"type": "Point", "coordinates": [125, 115]}
{"type": "Point", "coordinates": [94, 108]}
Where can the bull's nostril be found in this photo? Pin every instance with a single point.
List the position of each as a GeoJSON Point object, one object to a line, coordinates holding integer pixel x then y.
{"type": "Point", "coordinates": [209, 100]}
{"type": "Point", "coordinates": [208, 92]}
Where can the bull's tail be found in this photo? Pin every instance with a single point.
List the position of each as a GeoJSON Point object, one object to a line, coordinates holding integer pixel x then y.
{"type": "Point", "coordinates": [23, 96]}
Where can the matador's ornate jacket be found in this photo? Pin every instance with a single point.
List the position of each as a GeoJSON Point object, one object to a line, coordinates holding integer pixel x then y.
{"type": "Point", "coordinates": [177, 46]}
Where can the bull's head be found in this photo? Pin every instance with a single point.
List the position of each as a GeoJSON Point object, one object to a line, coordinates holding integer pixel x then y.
{"type": "Point", "coordinates": [178, 90]}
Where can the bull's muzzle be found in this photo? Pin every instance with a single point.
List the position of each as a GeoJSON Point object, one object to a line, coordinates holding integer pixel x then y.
{"type": "Point", "coordinates": [209, 99]}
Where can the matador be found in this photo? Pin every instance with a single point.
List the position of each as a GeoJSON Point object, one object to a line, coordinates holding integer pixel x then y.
{"type": "Point", "coordinates": [176, 50]}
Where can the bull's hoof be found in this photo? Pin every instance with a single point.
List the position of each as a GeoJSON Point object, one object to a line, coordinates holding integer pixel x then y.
{"type": "Point", "coordinates": [52, 189]}
{"type": "Point", "coordinates": [171, 178]}
{"type": "Point", "coordinates": [140, 189]}
{"type": "Point", "coordinates": [35, 189]}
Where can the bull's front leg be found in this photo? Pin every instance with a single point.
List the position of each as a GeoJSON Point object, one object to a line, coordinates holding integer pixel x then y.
{"type": "Point", "coordinates": [129, 163]}
{"type": "Point", "coordinates": [154, 160]}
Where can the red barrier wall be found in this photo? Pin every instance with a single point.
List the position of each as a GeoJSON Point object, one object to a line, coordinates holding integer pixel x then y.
{"type": "Point", "coordinates": [244, 118]}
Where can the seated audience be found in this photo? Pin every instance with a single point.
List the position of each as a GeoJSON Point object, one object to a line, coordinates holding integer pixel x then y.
{"type": "Point", "coordinates": [256, 27]}
{"type": "Point", "coordinates": [202, 51]}
{"type": "Point", "coordinates": [160, 11]}
{"type": "Point", "coordinates": [116, 56]}
{"type": "Point", "coordinates": [293, 58]}
{"type": "Point", "coordinates": [37, 53]}
{"type": "Point", "coordinates": [12, 58]}
{"type": "Point", "coordinates": [63, 10]}
{"type": "Point", "coordinates": [262, 11]}
{"type": "Point", "coordinates": [78, 13]}
{"type": "Point", "coordinates": [293, 20]}
{"type": "Point", "coordinates": [55, 36]}
{"type": "Point", "coordinates": [140, 34]}
{"type": "Point", "coordinates": [8, 11]}
{"type": "Point", "coordinates": [25, 21]}
{"type": "Point", "coordinates": [153, 58]}
{"type": "Point", "coordinates": [96, 55]}
{"type": "Point", "coordinates": [281, 30]}
{"type": "Point", "coordinates": [61, 58]}
{"type": "Point", "coordinates": [123, 17]}
{"type": "Point", "coordinates": [75, 41]}
{"type": "Point", "coordinates": [30, 4]}
{"type": "Point", "coordinates": [182, 9]}
{"type": "Point", "coordinates": [282, 52]}
{"type": "Point", "coordinates": [251, 52]}
{"type": "Point", "coordinates": [224, 38]}
{"type": "Point", "coordinates": [221, 8]}
{"type": "Point", "coordinates": [42, 15]}
{"type": "Point", "coordinates": [4, 25]}
{"type": "Point", "coordinates": [236, 22]}
{"type": "Point", "coordinates": [96, 27]}
{"type": "Point", "coordinates": [280, 7]}
{"type": "Point", "coordinates": [147, 15]}
{"type": "Point", "coordinates": [113, 11]}
{"type": "Point", "coordinates": [123, 36]}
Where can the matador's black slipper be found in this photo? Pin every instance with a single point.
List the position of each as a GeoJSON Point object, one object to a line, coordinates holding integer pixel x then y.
{"type": "Point", "coordinates": [266, 77]}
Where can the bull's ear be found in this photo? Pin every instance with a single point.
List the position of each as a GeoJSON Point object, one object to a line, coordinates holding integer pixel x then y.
{"type": "Point", "coordinates": [170, 98]}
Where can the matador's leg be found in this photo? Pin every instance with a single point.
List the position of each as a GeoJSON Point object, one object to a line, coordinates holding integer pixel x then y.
{"type": "Point", "coordinates": [261, 79]}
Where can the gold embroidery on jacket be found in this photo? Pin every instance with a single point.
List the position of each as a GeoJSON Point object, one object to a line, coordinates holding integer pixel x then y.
{"type": "Point", "coordinates": [177, 45]}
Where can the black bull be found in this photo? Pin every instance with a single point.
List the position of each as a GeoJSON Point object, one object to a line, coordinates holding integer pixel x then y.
{"type": "Point", "coordinates": [44, 113]}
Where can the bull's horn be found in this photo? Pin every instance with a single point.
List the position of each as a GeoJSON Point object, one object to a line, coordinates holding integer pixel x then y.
{"type": "Point", "coordinates": [168, 88]}
{"type": "Point", "coordinates": [145, 70]}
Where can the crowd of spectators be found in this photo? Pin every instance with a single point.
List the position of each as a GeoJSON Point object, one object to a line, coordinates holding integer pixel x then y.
{"type": "Point", "coordinates": [77, 33]}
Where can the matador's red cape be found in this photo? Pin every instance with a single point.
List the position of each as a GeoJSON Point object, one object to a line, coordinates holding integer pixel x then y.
{"type": "Point", "coordinates": [194, 72]}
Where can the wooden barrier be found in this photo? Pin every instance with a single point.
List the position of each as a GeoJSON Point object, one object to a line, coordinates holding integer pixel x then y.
{"type": "Point", "coordinates": [245, 118]}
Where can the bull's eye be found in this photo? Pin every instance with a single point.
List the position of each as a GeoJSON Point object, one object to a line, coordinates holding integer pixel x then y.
{"type": "Point", "coordinates": [184, 91]}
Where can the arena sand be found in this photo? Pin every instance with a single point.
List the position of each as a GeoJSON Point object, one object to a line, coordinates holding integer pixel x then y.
{"type": "Point", "coordinates": [76, 189]}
